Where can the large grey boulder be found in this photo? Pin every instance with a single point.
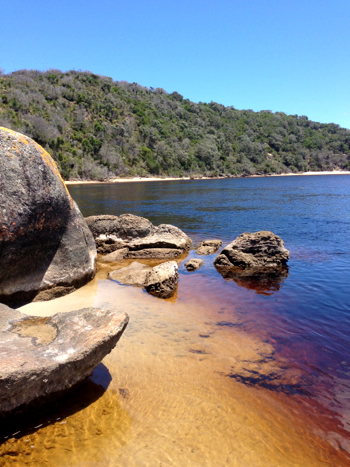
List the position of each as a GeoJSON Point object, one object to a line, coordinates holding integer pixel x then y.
{"type": "Point", "coordinates": [42, 357]}
{"type": "Point", "coordinates": [46, 248]}
{"type": "Point", "coordinates": [138, 235]}
{"type": "Point", "coordinates": [160, 280]}
{"type": "Point", "coordinates": [254, 251]}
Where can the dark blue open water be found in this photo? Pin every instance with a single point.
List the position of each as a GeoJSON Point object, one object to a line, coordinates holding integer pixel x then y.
{"type": "Point", "coordinates": [306, 315]}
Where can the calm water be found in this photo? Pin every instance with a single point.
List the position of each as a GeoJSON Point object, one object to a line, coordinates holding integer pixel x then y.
{"type": "Point", "coordinates": [232, 371]}
{"type": "Point", "coordinates": [305, 315]}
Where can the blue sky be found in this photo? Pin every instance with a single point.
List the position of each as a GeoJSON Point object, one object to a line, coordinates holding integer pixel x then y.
{"type": "Point", "coordinates": [279, 55]}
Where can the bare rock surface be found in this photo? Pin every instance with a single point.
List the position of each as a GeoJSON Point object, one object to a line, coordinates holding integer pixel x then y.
{"type": "Point", "coordinates": [254, 251]}
{"type": "Point", "coordinates": [194, 264]}
{"type": "Point", "coordinates": [138, 235]}
{"type": "Point", "coordinates": [160, 280]}
{"type": "Point", "coordinates": [155, 253]}
{"type": "Point", "coordinates": [208, 247]}
{"type": "Point", "coordinates": [41, 357]}
{"type": "Point", "coordinates": [46, 248]}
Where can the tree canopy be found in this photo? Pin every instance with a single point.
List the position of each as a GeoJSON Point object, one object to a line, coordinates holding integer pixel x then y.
{"type": "Point", "coordinates": [97, 128]}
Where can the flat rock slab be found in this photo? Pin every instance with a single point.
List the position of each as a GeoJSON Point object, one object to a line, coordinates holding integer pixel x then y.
{"type": "Point", "coordinates": [138, 235]}
{"type": "Point", "coordinates": [256, 250]}
{"type": "Point", "coordinates": [160, 280]}
{"type": "Point", "coordinates": [208, 247]}
{"type": "Point", "coordinates": [41, 357]}
{"type": "Point", "coordinates": [194, 264]}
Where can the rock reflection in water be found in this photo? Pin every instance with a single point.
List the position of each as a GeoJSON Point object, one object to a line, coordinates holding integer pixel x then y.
{"type": "Point", "coordinates": [263, 281]}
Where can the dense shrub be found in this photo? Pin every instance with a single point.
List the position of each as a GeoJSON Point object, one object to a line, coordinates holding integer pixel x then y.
{"type": "Point", "coordinates": [97, 128]}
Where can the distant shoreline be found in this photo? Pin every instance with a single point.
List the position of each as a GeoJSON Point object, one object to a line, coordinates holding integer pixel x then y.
{"type": "Point", "coordinates": [170, 179]}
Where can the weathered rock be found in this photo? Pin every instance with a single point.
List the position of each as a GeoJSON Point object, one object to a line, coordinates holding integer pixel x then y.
{"type": "Point", "coordinates": [208, 247]}
{"type": "Point", "coordinates": [139, 235]}
{"type": "Point", "coordinates": [252, 251]}
{"type": "Point", "coordinates": [114, 256]}
{"type": "Point", "coordinates": [160, 280]}
{"type": "Point", "coordinates": [154, 253]}
{"type": "Point", "coordinates": [45, 243]}
{"type": "Point", "coordinates": [41, 357]}
{"type": "Point", "coordinates": [135, 274]}
{"type": "Point", "coordinates": [163, 279]}
{"type": "Point", "coordinates": [194, 264]}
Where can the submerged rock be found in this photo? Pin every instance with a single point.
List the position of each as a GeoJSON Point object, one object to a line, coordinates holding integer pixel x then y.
{"type": "Point", "coordinates": [46, 248]}
{"type": "Point", "coordinates": [138, 235]}
{"type": "Point", "coordinates": [208, 247]}
{"type": "Point", "coordinates": [194, 264]}
{"type": "Point", "coordinates": [254, 250]}
{"type": "Point", "coordinates": [42, 357]}
{"type": "Point", "coordinates": [160, 280]}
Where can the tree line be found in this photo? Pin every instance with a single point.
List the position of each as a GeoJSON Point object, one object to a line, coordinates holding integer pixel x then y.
{"type": "Point", "coordinates": [96, 128]}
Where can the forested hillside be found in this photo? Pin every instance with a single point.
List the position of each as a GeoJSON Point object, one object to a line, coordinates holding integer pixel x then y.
{"type": "Point", "coordinates": [97, 128]}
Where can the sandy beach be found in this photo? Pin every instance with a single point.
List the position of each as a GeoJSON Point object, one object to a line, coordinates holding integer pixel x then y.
{"type": "Point", "coordinates": [171, 179]}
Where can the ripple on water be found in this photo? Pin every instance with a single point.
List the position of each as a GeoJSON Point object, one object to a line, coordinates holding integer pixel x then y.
{"type": "Point", "coordinates": [192, 382]}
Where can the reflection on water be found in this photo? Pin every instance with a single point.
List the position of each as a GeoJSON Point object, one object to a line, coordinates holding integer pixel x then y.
{"type": "Point", "coordinates": [191, 384]}
{"type": "Point", "coordinates": [265, 282]}
{"type": "Point", "coordinates": [235, 370]}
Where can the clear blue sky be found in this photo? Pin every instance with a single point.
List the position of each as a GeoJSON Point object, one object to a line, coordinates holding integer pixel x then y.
{"type": "Point", "coordinates": [280, 55]}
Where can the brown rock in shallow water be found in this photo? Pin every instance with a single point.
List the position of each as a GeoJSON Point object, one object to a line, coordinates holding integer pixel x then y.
{"type": "Point", "coordinates": [193, 264]}
{"type": "Point", "coordinates": [254, 250]}
{"type": "Point", "coordinates": [208, 247]}
{"type": "Point", "coordinates": [139, 235]}
{"type": "Point", "coordinates": [160, 280]}
{"type": "Point", "coordinates": [45, 243]}
{"type": "Point", "coordinates": [42, 357]}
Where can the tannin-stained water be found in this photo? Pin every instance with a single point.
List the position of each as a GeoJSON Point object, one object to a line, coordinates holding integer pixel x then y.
{"type": "Point", "coordinates": [231, 371]}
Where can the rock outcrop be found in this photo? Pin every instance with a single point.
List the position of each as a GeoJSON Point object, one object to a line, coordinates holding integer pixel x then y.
{"type": "Point", "coordinates": [137, 237]}
{"type": "Point", "coordinates": [160, 280]}
{"type": "Point", "coordinates": [194, 264]}
{"type": "Point", "coordinates": [208, 247]}
{"type": "Point", "coordinates": [42, 357]}
{"type": "Point", "coordinates": [46, 248]}
{"type": "Point", "coordinates": [259, 250]}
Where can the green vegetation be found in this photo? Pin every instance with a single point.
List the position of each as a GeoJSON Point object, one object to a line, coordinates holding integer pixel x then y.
{"type": "Point", "coordinates": [97, 128]}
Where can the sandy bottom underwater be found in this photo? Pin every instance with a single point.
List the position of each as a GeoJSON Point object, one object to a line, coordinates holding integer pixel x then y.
{"type": "Point", "coordinates": [166, 396]}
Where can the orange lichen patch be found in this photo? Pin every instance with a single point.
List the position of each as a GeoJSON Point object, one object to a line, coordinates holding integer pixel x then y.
{"type": "Point", "coordinates": [23, 139]}
{"type": "Point", "coordinates": [47, 159]}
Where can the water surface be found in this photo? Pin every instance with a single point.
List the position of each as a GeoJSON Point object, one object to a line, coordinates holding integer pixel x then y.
{"type": "Point", "coordinates": [232, 371]}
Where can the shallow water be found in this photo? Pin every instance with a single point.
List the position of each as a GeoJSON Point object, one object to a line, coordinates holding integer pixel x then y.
{"type": "Point", "coordinates": [230, 372]}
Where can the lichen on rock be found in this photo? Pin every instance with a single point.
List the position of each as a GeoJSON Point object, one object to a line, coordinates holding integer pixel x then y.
{"type": "Point", "coordinates": [46, 247]}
